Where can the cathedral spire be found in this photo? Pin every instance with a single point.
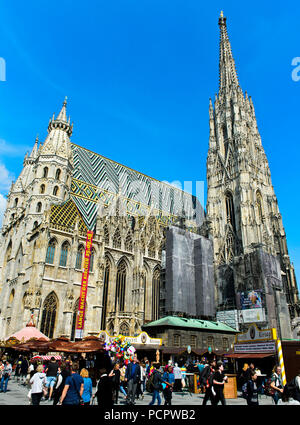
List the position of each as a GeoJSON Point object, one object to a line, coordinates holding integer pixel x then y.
{"type": "Point", "coordinates": [227, 71]}
{"type": "Point", "coordinates": [62, 116]}
{"type": "Point", "coordinates": [61, 120]}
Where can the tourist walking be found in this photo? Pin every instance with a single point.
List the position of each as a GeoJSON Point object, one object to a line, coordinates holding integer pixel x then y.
{"type": "Point", "coordinates": [63, 373]}
{"type": "Point", "coordinates": [206, 379]}
{"type": "Point", "coordinates": [219, 380]}
{"type": "Point", "coordinates": [24, 370]}
{"type": "Point", "coordinates": [245, 375]}
{"type": "Point", "coordinates": [169, 380]}
{"type": "Point", "coordinates": [115, 376]}
{"type": "Point", "coordinates": [87, 387]}
{"type": "Point", "coordinates": [122, 381]}
{"type": "Point", "coordinates": [6, 372]}
{"type": "Point", "coordinates": [156, 379]}
{"type": "Point", "coordinates": [18, 367]}
{"type": "Point", "coordinates": [132, 377]}
{"type": "Point", "coordinates": [276, 383]}
{"type": "Point", "coordinates": [73, 388]}
{"type": "Point", "coordinates": [38, 383]}
{"type": "Point", "coordinates": [251, 394]}
{"type": "Point", "coordinates": [104, 392]}
{"type": "Point", "coordinates": [143, 380]}
{"type": "Point", "coordinates": [178, 377]}
{"type": "Point", "coordinates": [51, 372]}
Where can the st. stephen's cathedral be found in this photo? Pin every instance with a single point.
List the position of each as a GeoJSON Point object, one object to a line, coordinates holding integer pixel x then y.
{"type": "Point", "coordinates": [64, 190]}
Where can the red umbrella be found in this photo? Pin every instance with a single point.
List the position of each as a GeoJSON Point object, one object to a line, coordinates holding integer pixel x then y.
{"type": "Point", "coordinates": [62, 344]}
{"type": "Point", "coordinates": [89, 344]}
{"type": "Point", "coordinates": [39, 344]}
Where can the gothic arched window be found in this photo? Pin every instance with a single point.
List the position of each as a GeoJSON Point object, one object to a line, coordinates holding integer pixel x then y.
{"type": "Point", "coordinates": [75, 310]}
{"type": "Point", "coordinates": [106, 235]}
{"type": "Point", "coordinates": [64, 254]}
{"type": "Point", "coordinates": [50, 251]}
{"type": "Point", "coordinates": [45, 172]}
{"type": "Point", "coordinates": [55, 190]}
{"type": "Point", "coordinates": [42, 188]}
{"type": "Point", "coordinates": [39, 207]}
{"type": "Point", "coordinates": [259, 204]}
{"type": "Point", "coordinates": [230, 217]}
{"type": "Point", "coordinates": [128, 242]}
{"type": "Point", "coordinates": [49, 315]}
{"type": "Point", "coordinates": [124, 329]}
{"type": "Point", "coordinates": [79, 256]}
{"type": "Point", "coordinates": [155, 294]}
{"type": "Point", "coordinates": [11, 297]}
{"type": "Point", "coordinates": [151, 248]}
{"type": "Point", "coordinates": [105, 293]}
{"type": "Point", "coordinates": [16, 201]}
{"type": "Point", "coordinates": [57, 175]}
{"type": "Point", "coordinates": [92, 257]}
{"type": "Point", "coordinates": [117, 239]}
{"type": "Point", "coordinates": [121, 286]}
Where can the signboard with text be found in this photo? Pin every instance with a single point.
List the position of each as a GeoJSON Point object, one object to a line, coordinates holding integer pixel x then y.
{"type": "Point", "coordinates": [84, 286]}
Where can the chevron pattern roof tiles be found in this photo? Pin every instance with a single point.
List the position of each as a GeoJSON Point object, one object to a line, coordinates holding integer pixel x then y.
{"type": "Point", "coordinates": [98, 178]}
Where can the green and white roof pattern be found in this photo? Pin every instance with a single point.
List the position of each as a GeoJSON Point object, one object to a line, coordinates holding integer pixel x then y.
{"type": "Point", "coordinates": [182, 322]}
{"type": "Point", "coordinates": [97, 180]}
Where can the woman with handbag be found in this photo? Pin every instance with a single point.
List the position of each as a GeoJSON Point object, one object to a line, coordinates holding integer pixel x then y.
{"type": "Point", "coordinates": [7, 370]}
{"type": "Point", "coordinates": [38, 385]}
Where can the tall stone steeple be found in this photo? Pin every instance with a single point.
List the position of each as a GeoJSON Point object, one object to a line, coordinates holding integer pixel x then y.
{"type": "Point", "coordinates": [242, 208]}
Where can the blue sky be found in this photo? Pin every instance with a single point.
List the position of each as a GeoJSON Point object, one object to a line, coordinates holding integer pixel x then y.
{"type": "Point", "coordinates": [138, 76]}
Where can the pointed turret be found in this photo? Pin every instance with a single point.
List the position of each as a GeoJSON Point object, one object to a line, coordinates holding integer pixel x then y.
{"type": "Point", "coordinates": [62, 116]}
{"type": "Point", "coordinates": [227, 71]}
{"type": "Point", "coordinates": [61, 121]}
{"type": "Point", "coordinates": [59, 133]}
{"type": "Point", "coordinates": [35, 149]}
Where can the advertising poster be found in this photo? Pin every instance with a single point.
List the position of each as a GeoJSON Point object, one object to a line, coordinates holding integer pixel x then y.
{"type": "Point", "coordinates": [84, 286]}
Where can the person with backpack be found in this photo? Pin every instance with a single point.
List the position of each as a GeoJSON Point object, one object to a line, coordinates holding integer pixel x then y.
{"type": "Point", "coordinates": [276, 384]}
{"type": "Point", "coordinates": [51, 373]}
{"type": "Point", "coordinates": [250, 390]}
{"type": "Point", "coordinates": [206, 380]}
{"type": "Point", "coordinates": [155, 382]}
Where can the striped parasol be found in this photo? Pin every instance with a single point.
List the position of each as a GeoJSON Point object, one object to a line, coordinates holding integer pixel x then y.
{"type": "Point", "coordinates": [46, 357]}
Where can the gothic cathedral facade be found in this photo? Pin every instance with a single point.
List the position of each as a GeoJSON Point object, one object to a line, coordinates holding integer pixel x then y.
{"type": "Point", "coordinates": [64, 190]}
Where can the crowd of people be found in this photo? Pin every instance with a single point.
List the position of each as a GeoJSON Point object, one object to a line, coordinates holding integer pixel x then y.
{"type": "Point", "coordinates": [67, 381]}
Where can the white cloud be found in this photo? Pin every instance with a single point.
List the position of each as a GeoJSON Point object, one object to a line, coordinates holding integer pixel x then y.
{"type": "Point", "coordinates": [6, 177]}
{"type": "Point", "coordinates": [2, 208]}
{"type": "Point", "coordinates": [9, 149]}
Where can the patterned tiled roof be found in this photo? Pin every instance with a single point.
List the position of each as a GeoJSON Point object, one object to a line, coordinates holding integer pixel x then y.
{"type": "Point", "coordinates": [98, 178]}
